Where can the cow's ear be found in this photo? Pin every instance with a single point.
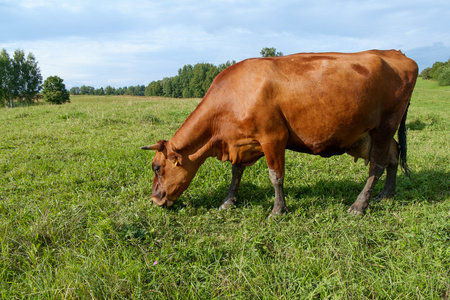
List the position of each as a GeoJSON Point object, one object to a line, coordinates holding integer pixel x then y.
{"type": "Point", "coordinates": [175, 158]}
{"type": "Point", "coordinates": [159, 146]}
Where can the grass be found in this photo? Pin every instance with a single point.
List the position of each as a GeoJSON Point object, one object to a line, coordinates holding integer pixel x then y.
{"type": "Point", "coordinates": [76, 220]}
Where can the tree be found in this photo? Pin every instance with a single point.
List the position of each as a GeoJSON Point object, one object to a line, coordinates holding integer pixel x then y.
{"type": "Point", "coordinates": [210, 75]}
{"type": "Point", "coordinates": [75, 91]}
{"type": "Point", "coordinates": [55, 91]}
{"type": "Point", "coordinates": [176, 87]}
{"type": "Point", "coordinates": [185, 76]}
{"type": "Point", "coordinates": [87, 90]}
{"type": "Point", "coordinates": [167, 86]}
{"type": "Point", "coordinates": [139, 90]}
{"type": "Point", "coordinates": [99, 92]}
{"type": "Point", "coordinates": [32, 79]}
{"type": "Point", "coordinates": [199, 76]}
{"type": "Point", "coordinates": [16, 77]}
{"type": "Point", "coordinates": [154, 89]}
{"type": "Point", "coordinates": [443, 77]}
{"type": "Point", "coordinates": [20, 78]}
{"type": "Point", "coordinates": [434, 72]}
{"type": "Point", "coordinates": [440, 71]}
{"type": "Point", "coordinates": [4, 76]}
{"type": "Point", "coordinates": [270, 52]}
{"type": "Point", "coordinates": [119, 91]}
{"type": "Point", "coordinates": [426, 73]}
{"type": "Point", "coordinates": [110, 90]}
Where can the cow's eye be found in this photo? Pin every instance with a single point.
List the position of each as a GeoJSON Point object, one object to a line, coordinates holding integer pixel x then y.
{"type": "Point", "coordinates": [156, 169]}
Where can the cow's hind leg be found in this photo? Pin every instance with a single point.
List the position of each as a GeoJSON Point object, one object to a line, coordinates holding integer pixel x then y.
{"type": "Point", "coordinates": [391, 172]}
{"type": "Point", "coordinates": [230, 199]}
{"type": "Point", "coordinates": [275, 156]}
{"type": "Point", "coordinates": [362, 202]}
{"type": "Point", "coordinates": [279, 206]}
{"type": "Point", "coordinates": [380, 158]}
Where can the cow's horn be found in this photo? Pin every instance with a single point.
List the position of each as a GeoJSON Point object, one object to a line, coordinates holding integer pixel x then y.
{"type": "Point", "coordinates": [157, 147]}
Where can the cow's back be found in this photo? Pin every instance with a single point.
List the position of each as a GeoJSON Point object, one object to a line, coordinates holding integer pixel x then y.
{"type": "Point", "coordinates": [322, 102]}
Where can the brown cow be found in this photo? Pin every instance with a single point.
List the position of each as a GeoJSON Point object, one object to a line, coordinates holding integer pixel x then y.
{"type": "Point", "coordinates": [318, 103]}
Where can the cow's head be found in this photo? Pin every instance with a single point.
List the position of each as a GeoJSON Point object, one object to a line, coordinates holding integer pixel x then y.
{"type": "Point", "coordinates": [172, 174]}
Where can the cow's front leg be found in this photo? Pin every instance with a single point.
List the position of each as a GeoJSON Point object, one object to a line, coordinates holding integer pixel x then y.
{"type": "Point", "coordinates": [279, 206]}
{"type": "Point", "coordinates": [230, 199]}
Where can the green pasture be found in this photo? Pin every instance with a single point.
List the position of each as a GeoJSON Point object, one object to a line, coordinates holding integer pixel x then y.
{"type": "Point", "coordinates": [76, 221]}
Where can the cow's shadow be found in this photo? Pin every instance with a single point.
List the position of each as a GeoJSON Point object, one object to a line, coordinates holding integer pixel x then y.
{"type": "Point", "coordinates": [324, 193]}
{"type": "Point", "coordinates": [257, 195]}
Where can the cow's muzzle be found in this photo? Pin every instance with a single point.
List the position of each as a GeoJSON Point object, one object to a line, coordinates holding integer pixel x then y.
{"type": "Point", "coordinates": [161, 202]}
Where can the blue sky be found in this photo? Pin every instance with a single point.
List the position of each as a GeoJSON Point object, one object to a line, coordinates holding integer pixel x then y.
{"type": "Point", "coordinates": [134, 42]}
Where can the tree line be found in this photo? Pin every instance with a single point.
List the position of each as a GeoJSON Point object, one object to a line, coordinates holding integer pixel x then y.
{"type": "Point", "coordinates": [440, 71]}
{"type": "Point", "coordinates": [191, 81]}
{"type": "Point", "coordinates": [20, 78]}
{"type": "Point", "coordinates": [138, 90]}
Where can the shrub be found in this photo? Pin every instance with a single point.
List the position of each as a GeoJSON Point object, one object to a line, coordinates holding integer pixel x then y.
{"type": "Point", "coordinates": [55, 91]}
{"type": "Point", "coordinates": [426, 73]}
{"type": "Point", "coordinates": [443, 77]}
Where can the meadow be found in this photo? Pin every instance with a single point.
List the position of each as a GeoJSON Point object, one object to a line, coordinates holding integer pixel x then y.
{"type": "Point", "coordinates": [76, 220]}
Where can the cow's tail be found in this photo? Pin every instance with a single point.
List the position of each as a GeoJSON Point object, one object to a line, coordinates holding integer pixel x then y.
{"type": "Point", "coordinates": [402, 145]}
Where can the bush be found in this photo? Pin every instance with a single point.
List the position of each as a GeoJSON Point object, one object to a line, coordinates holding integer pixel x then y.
{"type": "Point", "coordinates": [55, 91]}
{"type": "Point", "coordinates": [443, 77]}
{"type": "Point", "coordinates": [439, 72]}
{"type": "Point", "coordinates": [426, 73]}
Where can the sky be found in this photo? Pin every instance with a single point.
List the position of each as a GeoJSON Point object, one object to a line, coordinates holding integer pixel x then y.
{"type": "Point", "coordinates": [133, 42]}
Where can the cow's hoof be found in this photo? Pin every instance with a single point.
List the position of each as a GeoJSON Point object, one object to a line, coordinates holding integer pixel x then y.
{"type": "Point", "coordinates": [272, 216]}
{"type": "Point", "coordinates": [224, 207]}
{"type": "Point", "coordinates": [353, 210]}
{"type": "Point", "coordinates": [227, 204]}
{"type": "Point", "coordinates": [278, 212]}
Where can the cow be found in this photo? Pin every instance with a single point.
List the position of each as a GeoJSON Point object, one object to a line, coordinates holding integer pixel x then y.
{"type": "Point", "coordinates": [318, 103]}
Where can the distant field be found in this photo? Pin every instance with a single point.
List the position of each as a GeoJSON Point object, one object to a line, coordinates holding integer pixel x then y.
{"type": "Point", "coordinates": [76, 220]}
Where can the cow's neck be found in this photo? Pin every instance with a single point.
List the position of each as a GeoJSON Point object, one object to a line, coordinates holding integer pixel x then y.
{"type": "Point", "coordinates": [194, 139]}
